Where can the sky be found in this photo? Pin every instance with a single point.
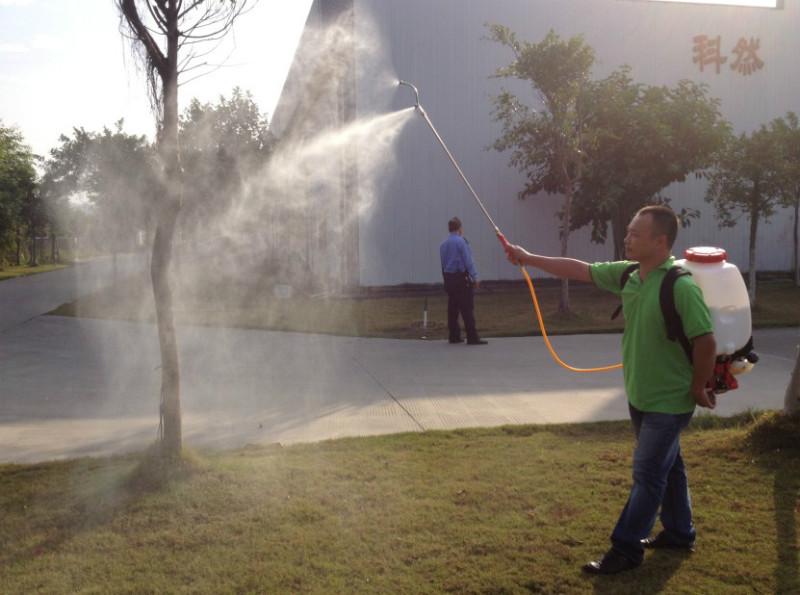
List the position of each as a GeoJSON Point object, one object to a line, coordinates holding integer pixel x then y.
{"type": "Point", "coordinates": [64, 64]}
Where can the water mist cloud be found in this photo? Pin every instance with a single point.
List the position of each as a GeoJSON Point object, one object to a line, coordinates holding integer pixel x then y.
{"type": "Point", "coordinates": [295, 220]}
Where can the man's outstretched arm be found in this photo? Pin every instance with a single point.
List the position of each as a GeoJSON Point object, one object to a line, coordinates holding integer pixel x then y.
{"type": "Point", "coordinates": [564, 268]}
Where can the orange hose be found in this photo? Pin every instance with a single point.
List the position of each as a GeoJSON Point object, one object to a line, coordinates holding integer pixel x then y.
{"type": "Point", "coordinates": [547, 339]}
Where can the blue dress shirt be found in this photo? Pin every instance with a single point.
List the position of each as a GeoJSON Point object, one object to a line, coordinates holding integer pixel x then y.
{"type": "Point", "coordinates": [456, 256]}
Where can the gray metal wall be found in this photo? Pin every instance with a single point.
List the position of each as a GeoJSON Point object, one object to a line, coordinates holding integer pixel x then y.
{"type": "Point", "coordinates": [439, 46]}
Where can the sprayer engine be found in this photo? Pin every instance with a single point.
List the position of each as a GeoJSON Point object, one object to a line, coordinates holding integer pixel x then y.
{"type": "Point", "coordinates": [727, 368]}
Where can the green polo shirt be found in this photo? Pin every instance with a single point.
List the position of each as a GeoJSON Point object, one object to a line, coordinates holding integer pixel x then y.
{"type": "Point", "coordinates": [657, 373]}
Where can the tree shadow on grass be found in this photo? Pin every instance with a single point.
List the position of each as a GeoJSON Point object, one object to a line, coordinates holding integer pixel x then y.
{"type": "Point", "coordinates": [774, 439]}
{"type": "Point", "coordinates": [786, 490]}
{"type": "Point", "coordinates": [58, 502]}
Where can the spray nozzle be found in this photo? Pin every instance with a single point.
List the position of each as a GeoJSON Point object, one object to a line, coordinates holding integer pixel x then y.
{"type": "Point", "coordinates": [416, 92]}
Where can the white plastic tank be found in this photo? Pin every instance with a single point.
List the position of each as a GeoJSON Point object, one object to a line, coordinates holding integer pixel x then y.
{"type": "Point", "coordinates": [725, 294]}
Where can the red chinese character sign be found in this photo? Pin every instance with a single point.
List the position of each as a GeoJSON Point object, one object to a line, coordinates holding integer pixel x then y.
{"type": "Point", "coordinates": [747, 61]}
{"type": "Point", "coordinates": [708, 52]}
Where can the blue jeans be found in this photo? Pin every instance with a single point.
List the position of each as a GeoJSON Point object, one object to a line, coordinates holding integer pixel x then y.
{"type": "Point", "coordinates": [659, 480]}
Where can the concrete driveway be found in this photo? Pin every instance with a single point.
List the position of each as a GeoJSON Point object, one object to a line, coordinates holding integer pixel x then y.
{"type": "Point", "coordinates": [72, 387]}
{"type": "Point", "coordinates": [24, 298]}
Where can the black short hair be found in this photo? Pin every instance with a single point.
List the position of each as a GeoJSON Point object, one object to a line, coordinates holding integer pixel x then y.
{"type": "Point", "coordinates": [454, 224]}
{"type": "Point", "coordinates": [665, 221]}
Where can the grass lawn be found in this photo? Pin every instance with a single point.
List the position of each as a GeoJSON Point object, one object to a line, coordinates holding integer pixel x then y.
{"type": "Point", "coordinates": [504, 510]}
{"type": "Point", "coordinates": [499, 312]}
{"type": "Point", "coordinates": [11, 272]}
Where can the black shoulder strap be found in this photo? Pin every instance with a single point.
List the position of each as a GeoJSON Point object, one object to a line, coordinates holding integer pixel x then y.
{"type": "Point", "coordinates": [626, 274]}
{"type": "Point", "coordinates": [672, 319]}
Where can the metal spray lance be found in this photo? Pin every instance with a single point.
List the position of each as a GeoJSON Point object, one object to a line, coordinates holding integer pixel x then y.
{"type": "Point", "coordinates": [502, 238]}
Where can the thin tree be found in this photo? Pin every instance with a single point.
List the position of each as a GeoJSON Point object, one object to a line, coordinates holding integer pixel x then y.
{"type": "Point", "coordinates": [547, 139]}
{"type": "Point", "coordinates": [791, 404]}
{"type": "Point", "coordinates": [787, 134]}
{"type": "Point", "coordinates": [168, 34]}
{"type": "Point", "coordinates": [745, 183]}
{"type": "Point", "coordinates": [787, 131]}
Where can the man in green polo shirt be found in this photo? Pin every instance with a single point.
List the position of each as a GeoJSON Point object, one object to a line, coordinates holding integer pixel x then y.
{"type": "Point", "coordinates": [662, 385]}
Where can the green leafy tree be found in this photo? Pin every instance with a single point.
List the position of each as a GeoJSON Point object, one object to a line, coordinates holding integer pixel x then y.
{"type": "Point", "coordinates": [114, 172]}
{"type": "Point", "coordinates": [64, 177]}
{"type": "Point", "coordinates": [122, 183]}
{"type": "Point", "coordinates": [644, 139]}
{"type": "Point", "coordinates": [745, 182]}
{"type": "Point", "coordinates": [167, 33]}
{"type": "Point", "coordinates": [18, 191]}
{"type": "Point", "coordinates": [546, 136]}
{"type": "Point", "coordinates": [787, 133]}
{"type": "Point", "coordinates": [222, 144]}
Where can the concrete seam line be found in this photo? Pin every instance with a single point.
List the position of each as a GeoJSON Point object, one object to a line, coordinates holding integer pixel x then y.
{"type": "Point", "coordinates": [388, 392]}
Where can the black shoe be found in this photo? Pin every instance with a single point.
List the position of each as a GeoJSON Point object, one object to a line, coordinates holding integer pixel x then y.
{"type": "Point", "coordinates": [612, 563]}
{"type": "Point", "coordinates": [663, 541]}
{"type": "Point", "coordinates": [478, 342]}
{"type": "Point", "coordinates": [455, 341]}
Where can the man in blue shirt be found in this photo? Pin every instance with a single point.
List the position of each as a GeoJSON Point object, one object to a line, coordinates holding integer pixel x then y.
{"type": "Point", "coordinates": [460, 275]}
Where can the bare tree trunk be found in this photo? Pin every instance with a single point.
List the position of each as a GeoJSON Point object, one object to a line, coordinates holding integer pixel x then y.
{"type": "Point", "coordinates": [34, 259]}
{"type": "Point", "coordinates": [619, 242]}
{"type": "Point", "coordinates": [791, 405]}
{"type": "Point", "coordinates": [751, 274]}
{"type": "Point", "coordinates": [563, 304]}
{"type": "Point", "coordinates": [18, 241]}
{"type": "Point", "coordinates": [162, 250]}
{"type": "Point", "coordinates": [796, 255]}
{"type": "Point", "coordinates": [55, 257]}
{"type": "Point", "coordinates": [167, 339]}
{"type": "Point", "coordinates": [620, 219]}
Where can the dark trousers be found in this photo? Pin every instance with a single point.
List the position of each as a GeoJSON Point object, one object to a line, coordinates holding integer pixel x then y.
{"type": "Point", "coordinates": [460, 301]}
{"type": "Point", "coordinates": [659, 480]}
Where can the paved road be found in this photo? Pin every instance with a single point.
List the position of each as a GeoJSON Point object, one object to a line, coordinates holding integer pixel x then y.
{"type": "Point", "coordinates": [24, 298]}
{"type": "Point", "coordinates": [72, 387]}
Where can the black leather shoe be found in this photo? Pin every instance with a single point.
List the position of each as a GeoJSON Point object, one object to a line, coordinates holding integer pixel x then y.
{"type": "Point", "coordinates": [612, 563]}
{"type": "Point", "coordinates": [662, 541]}
{"type": "Point", "coordinates": [478, 342]}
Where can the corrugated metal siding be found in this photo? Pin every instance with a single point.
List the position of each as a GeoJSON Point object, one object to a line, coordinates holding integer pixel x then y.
{"type": "Point", "coordinates": [439, 46]}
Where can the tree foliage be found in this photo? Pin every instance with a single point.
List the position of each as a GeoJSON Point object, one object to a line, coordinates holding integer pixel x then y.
{"type": "Point", "coordinates": [644, 138]}
{"type": "Point", "coordinates": [222, 145]}
{"type": "Point", "coordinates": [746, 183]}
{"type": "Point", "coordinates": [114, 173]}
{"type": "Point", "coordinates": [20, 212]}
{"type": "Point", "coordinates": [547, 136]}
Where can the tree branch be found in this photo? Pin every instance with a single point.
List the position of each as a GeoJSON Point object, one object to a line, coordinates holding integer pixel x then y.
{"type": "Point", "coordinates": [154, 53]}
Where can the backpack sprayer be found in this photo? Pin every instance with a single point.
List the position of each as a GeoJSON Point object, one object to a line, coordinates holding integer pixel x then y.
{"type": "Point", "coordinates": [728, 303]}
{"type": "Point", "coordinates": [720, 281]}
